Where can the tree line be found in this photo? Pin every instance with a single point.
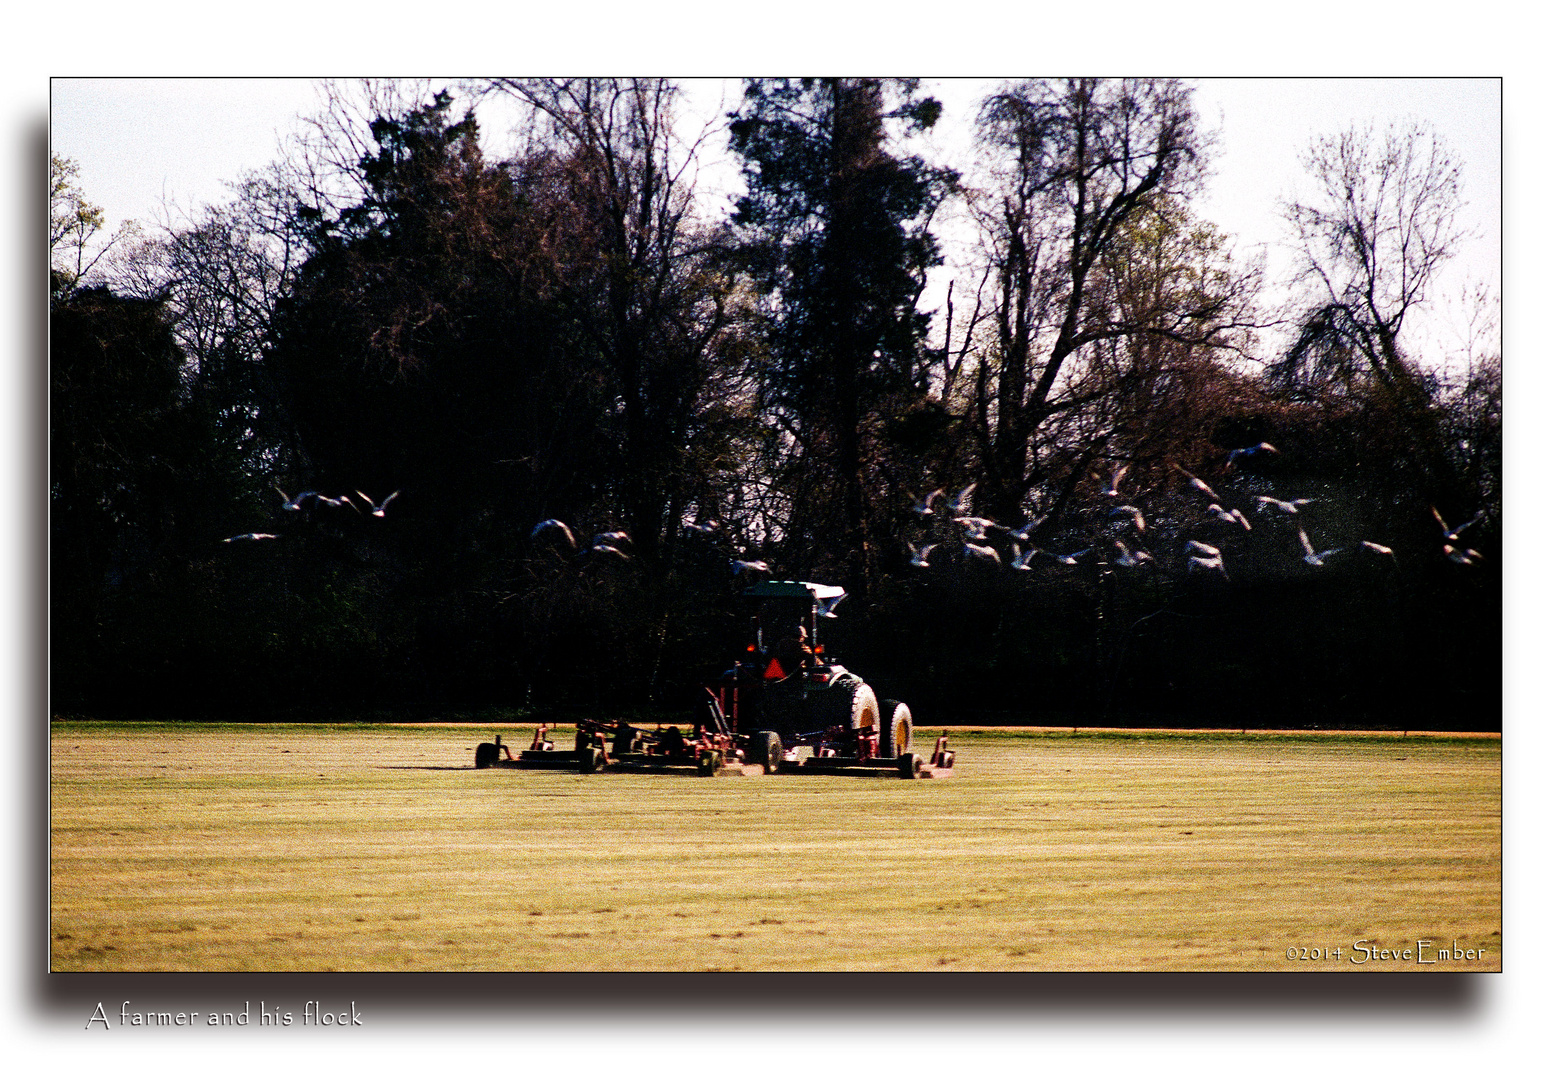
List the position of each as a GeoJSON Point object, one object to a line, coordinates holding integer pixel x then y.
{"type": "Point", "coordinates": [302, 441]}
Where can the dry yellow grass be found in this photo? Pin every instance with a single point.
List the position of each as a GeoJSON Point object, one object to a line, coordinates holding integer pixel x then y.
{"type": "Point", "coordinates": [381, 849]}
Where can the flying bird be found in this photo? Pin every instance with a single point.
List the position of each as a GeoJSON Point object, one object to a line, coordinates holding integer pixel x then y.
{"type": "Point", "coordinates": [1287, 506]}
{"type": "Point", "coordinates": [1251, 451]}
{"type": "Point", "coordinates": [1467, 557]}
{"type": "Point", "coordinates": [251, 536]}
{"type": "Point", "coordinates": [1132, 512]}
{"type": "Point", "coordinates": [1131, 558]}
{"type": "Point", "coordinates": [1022, 534]}
{"type": "Point", "coordinates": [1115, 481]}
{"type": "Point", "coordinates": [702, 528]}
{"type": "Point", "coordinates": [961, 503]}
{"type": "Point", "coordinates": [976, 527]}
{"type": "Point", "coordinates": [1236, 516]}
{"type": "Point", "coordinates": [554, 525]}
{"type": "Point", "coordinates": [1379, 549]}
{"type": "Point", "coordinates": [920, 555]}
{"type": "Point", "coordinates": [1070, 559]}
{"type": "Point", "coordinates": [982, 552]}
{"type": "Point", "coordinates": [924, 507]}
{"type": "Point", "coordinates": [742, 566]}
{"type": "Point", "coordinates": [1023, 559]}
{"type": "Point", "coordinates": [1196, 562]}
{"type": "Point", "coordinates": [1452, 535]}
{"type": "Point", "coordinates": [377, 511]}
{"type": "Point", "coordinates": [613, 538]}
{"type": "Point", "coordinates": [1199, 484]}
{"type": "Point", "coordinates": [1312, 557]}
{"type": "Point", "coordinates": [1205, 549]}
{"type": "Point", "coordinates": [608, 549]}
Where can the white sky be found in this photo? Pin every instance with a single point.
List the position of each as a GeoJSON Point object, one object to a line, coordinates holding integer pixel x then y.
{"type": "Point", "coordinates": [152, 147]}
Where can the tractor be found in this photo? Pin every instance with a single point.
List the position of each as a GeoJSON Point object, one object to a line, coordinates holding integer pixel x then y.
{"type": "Point", "coordinates": [784, 705]}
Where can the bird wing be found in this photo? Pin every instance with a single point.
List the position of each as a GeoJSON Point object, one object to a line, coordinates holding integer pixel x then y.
{"type": "Point", "coordinates": [1303, 538]}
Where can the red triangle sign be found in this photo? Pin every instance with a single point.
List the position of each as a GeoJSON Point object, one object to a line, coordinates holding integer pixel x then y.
{"type": "Point", "coordinates": [774, 670]}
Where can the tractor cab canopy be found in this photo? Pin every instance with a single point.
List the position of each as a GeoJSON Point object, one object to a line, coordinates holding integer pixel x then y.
{"type": "Point", "coordinates": [790, 630]}
{"type": "Point", "coordinates": [823, 598]}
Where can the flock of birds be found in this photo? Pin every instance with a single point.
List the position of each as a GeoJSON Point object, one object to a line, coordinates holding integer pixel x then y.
{"type": "Point", "coordinates": [1121, 537]}
{"type": "Point", "coordinates": [311, 507]}
{"type": "Point", "coordinates": [980, 540]}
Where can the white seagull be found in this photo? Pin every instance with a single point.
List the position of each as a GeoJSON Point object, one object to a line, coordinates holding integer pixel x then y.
{"type": "Point", "coordinates": [1236, 516]}
{"type": "Point", "coordinates": [1131, 558]}
{"type": "Point", "coordinates": [377, 511]}
{"type": "Point", "coordinates": [1196, 562]}
{"type": "Point", "coordinates": [1452, 535]}
{"type": "Point", "coordinates": [1287, 506]}
{"type": "Point", "coordinates": [982, 552]}
{"type": "Point", "coordinates": [1251, 451]}
{"type": "Point", "coordinates": [1132, 512]}
{"type": "Point", "coordinates": [1312, 557]}
{"type": "Point", "coordinates": [924, 507]}
{"type": "Point", "coordinates": [553, 524]}
{"type": "Point", "coordinates": [1115, 480]}
{"type": "Point", "coordinates": [1199, 484]}
{"type": "Point", "coordinates": [920, 555]}
{"type": "Point", "coordinates": [961, 503]}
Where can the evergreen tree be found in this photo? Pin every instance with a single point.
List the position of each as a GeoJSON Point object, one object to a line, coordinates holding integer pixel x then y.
{"type": "Point", "coordinates": [836, 235]}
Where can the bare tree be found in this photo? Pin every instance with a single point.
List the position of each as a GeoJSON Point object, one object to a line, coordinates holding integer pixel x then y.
{"type": "Point", "coordinates": [1383, 220]}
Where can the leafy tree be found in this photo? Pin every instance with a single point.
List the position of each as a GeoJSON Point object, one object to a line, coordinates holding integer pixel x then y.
{"type": "Point", "coordinates": [73, 225]}
{"type": "Point", "coordinates": [1099, 273]}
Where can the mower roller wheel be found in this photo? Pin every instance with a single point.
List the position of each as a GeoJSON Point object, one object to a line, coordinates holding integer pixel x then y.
{"type": "Point", "coordinates": [485, 755]}
{"type": "Point", "coordinates": [767, 750]}
{"type": "Point", "coordinates": [895, 728]}
{"type": "Point", "coordinates": [589, 759]}
{"type": "Point", "coordinates": [909, 767]}
{"type": "Point", "coordinates": [708, 762]}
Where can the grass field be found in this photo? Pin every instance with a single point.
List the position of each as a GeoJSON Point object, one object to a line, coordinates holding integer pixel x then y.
{"type": "Point", "coordinates": [380, 848]}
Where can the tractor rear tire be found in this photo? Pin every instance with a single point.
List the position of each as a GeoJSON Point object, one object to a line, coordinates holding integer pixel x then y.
{"type": "Point", "coordinates": [895, 729]}
{"type": "Point", "coordinates": [485, 755]}
{"type": "Point", "coordinates": [767, 750]}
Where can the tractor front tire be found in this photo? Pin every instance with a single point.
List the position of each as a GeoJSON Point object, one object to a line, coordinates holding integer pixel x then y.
{"type": "Point", "coordinates": [895, 729]}
{"type": "Point", "coordinates": [866, 708]}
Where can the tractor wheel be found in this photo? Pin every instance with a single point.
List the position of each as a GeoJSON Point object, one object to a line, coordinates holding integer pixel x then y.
{"type": "Point", "coordinates": [866, 708]}
{"type": "Point", "coordinates": [623, 742]}
{"type": "Point", "coordinates": [767, 750]}
{"type": "Point", "coordinates": [895, 728]}
{"type": "Point", "coordinates": [909, 767]}
{"type": "Point", "coordinates": [589, 759]}
{"type": "Point", "coordinates": [485, 755]}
